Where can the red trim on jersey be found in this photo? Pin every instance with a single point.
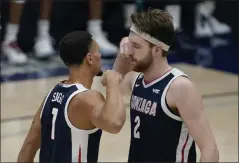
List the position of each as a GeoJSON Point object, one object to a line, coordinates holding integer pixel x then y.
{"type": "Point", "coordinates": [184, 146]}
{"type": "Point", "coordinates": [79, 155]}
{"type": "Point", "coordinates": [147, 82]}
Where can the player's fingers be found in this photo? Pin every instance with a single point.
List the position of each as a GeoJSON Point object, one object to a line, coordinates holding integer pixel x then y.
{"type": "Point", "coordinates": [103, 80]}
{"type": "Point", "coordinates": [120, 77]}
{"type": "Point", "coordinates": [123, 40]}
{"type": "Point", "coordinates": [129, 48]}
{"type": "Point", "coordinates": [126, 50]}
{"type": "Point", "coordinates": [123, 49]}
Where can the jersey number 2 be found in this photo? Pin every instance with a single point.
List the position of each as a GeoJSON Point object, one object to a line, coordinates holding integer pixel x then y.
{"type": "Point", "coordinates": [54, 112]}
{"type": "Point", "coordinates": [136, 132]}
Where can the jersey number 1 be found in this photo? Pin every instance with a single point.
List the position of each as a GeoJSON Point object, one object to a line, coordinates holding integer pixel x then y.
{"type": "Point", "coordinates": [136, 132]}
{"type": "Point", "coordinates": [54, 112]}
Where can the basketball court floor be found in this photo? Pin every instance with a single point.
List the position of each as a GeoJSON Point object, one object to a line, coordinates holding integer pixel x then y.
{"type": "Point", "coordinates": [20, 100]}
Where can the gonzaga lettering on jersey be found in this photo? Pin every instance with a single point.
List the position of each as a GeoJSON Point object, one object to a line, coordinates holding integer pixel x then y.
{"type": "Point", "coordinates": [61, 141]}
{"type": "Point", "coordinates": [157, 134]}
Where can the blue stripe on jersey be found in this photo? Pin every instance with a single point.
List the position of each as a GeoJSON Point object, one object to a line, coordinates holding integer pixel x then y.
{"type": "Point", "coordinates": [93, 146]}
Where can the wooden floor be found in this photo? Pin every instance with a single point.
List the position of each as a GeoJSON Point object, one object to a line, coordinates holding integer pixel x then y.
{"type": "Point", "coordinates": [20, 100]}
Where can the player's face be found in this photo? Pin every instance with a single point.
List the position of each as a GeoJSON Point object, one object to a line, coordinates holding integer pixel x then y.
{"type": "Point", "coordinates": [142, 53]}
{"type": "Point", "coordinates": [96, 57]}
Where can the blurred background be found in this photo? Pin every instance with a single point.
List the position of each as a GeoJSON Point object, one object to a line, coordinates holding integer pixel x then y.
{"type": "Point", "coordinates": [206, 32]}
{"type": "Point", "coordinates": [205, 48]}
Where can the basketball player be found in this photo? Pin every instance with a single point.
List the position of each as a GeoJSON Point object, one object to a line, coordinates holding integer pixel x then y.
{"type": "Point", "coordinates": [166, 110]}
{"type": "Point", "coordinates": [69, 123]}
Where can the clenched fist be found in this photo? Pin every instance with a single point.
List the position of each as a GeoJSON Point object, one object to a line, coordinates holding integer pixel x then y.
{"type": "Point", "coordinates": [111, 76]}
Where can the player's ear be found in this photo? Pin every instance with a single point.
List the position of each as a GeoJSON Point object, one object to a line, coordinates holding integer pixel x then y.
{"type": "Point", "coordinates": [89, 58]}
{"type": "Point", "coordinates": [156, 50]}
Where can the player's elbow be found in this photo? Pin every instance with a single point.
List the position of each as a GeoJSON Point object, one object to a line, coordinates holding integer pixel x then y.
{"type": "Point", "coordinates": [116, 123]}
{"type": "Point", "coordinates": [119, 126]}
{"type": "Point", "coordinates": [116, 127]}
{"type": "Point", "coordinates": [210, 153]}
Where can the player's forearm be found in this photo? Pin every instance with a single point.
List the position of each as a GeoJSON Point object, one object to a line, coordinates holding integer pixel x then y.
{"type": "Point", "coordinates": [122, 65]}
{"type": "Point", "coordinates": [121, 116]}
{"type": "Point", "coordinates": [114, 111]}
{"type": "Point", "coordinates": [26, 154]}
{"type": "Point", "coordinates": [209, 154]}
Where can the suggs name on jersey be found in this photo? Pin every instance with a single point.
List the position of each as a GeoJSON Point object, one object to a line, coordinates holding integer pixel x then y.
{"type": "Point", "coordinates": [58, 97]}
{"type": "Point", "coordinates": [143, 105]}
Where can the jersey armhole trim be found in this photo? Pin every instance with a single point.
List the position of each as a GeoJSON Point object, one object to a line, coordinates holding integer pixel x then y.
{"type": "Point", "coordinates": [43, 106]}
{"type": "Point", "coordinates": [72, 127]}
{"type": "Point", "coordinates": [165, 107]}
{"type": "Point", "coordinates": [134, 80]}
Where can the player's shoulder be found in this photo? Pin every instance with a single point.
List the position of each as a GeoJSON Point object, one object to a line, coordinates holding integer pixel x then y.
{"type": "Point", "coordinates": [129, 80]}
{"type": "Point", "coordinates": [89, 94]}
{"type": "Point", "coordinates": [181, 84]}
{"type": "Point", "coordinates": [131, 76]}
{"type": "Point", "coordinates": [89, 97]}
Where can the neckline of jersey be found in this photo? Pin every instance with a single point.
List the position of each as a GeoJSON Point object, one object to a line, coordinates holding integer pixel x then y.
{"type": "Point", "coordinates": [148, 84]}
{"type": "Point", "coordinates": [68, 85]}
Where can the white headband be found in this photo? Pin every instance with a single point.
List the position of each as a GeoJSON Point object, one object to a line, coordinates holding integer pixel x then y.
{"type": "Point", "coordinates": [150, 39]}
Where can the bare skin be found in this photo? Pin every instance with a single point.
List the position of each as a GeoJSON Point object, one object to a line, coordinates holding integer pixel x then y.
{"type": "Point", "coordinates": [87, 110]}
{"type": "Point", "coordinates": [45, 9]}
{"type": "Point", "coordinates": [16, 11]}
{"type": "Point", "coordinates": [182, 96]}
{"type": "Point", "coordinates": [95, 8]}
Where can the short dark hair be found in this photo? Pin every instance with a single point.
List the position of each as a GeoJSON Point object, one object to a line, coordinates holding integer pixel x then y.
{"type": "Point", "coordinates": [74, 47]}
{"type": "Point", "coordinates": [157, 23]}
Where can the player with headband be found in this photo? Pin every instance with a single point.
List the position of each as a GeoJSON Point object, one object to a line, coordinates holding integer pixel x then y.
{"type": "Point", "coordinates": [166, 109]}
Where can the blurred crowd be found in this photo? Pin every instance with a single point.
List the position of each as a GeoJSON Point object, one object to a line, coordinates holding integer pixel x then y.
{"type": "Point", "coordinates": [205, 24]}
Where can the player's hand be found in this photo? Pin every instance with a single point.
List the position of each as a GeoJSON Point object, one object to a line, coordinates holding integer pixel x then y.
{"type": "Point", "coordinates": [125, 47]}
{"type": "Point", "coordinates": [111, 77]}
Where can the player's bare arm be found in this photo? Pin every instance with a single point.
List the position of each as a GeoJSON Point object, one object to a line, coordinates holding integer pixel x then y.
{"type": "Point", "coordinates": [184, 96]}
{"type": "Point", "coordinates": [126, 85]}
{"type": "Point", "coordinates": [32, 141]}
{"type": "Point", "coordinates": [107, 114]}
{"type": "Point", "coordinates": [123, 65]}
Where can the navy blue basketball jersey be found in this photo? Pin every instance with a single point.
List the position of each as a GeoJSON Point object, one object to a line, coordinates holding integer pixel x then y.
{"type": "Point", "coordinates": [60, 140]}
{"type": "Point", "coordinates": [157, 133]}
